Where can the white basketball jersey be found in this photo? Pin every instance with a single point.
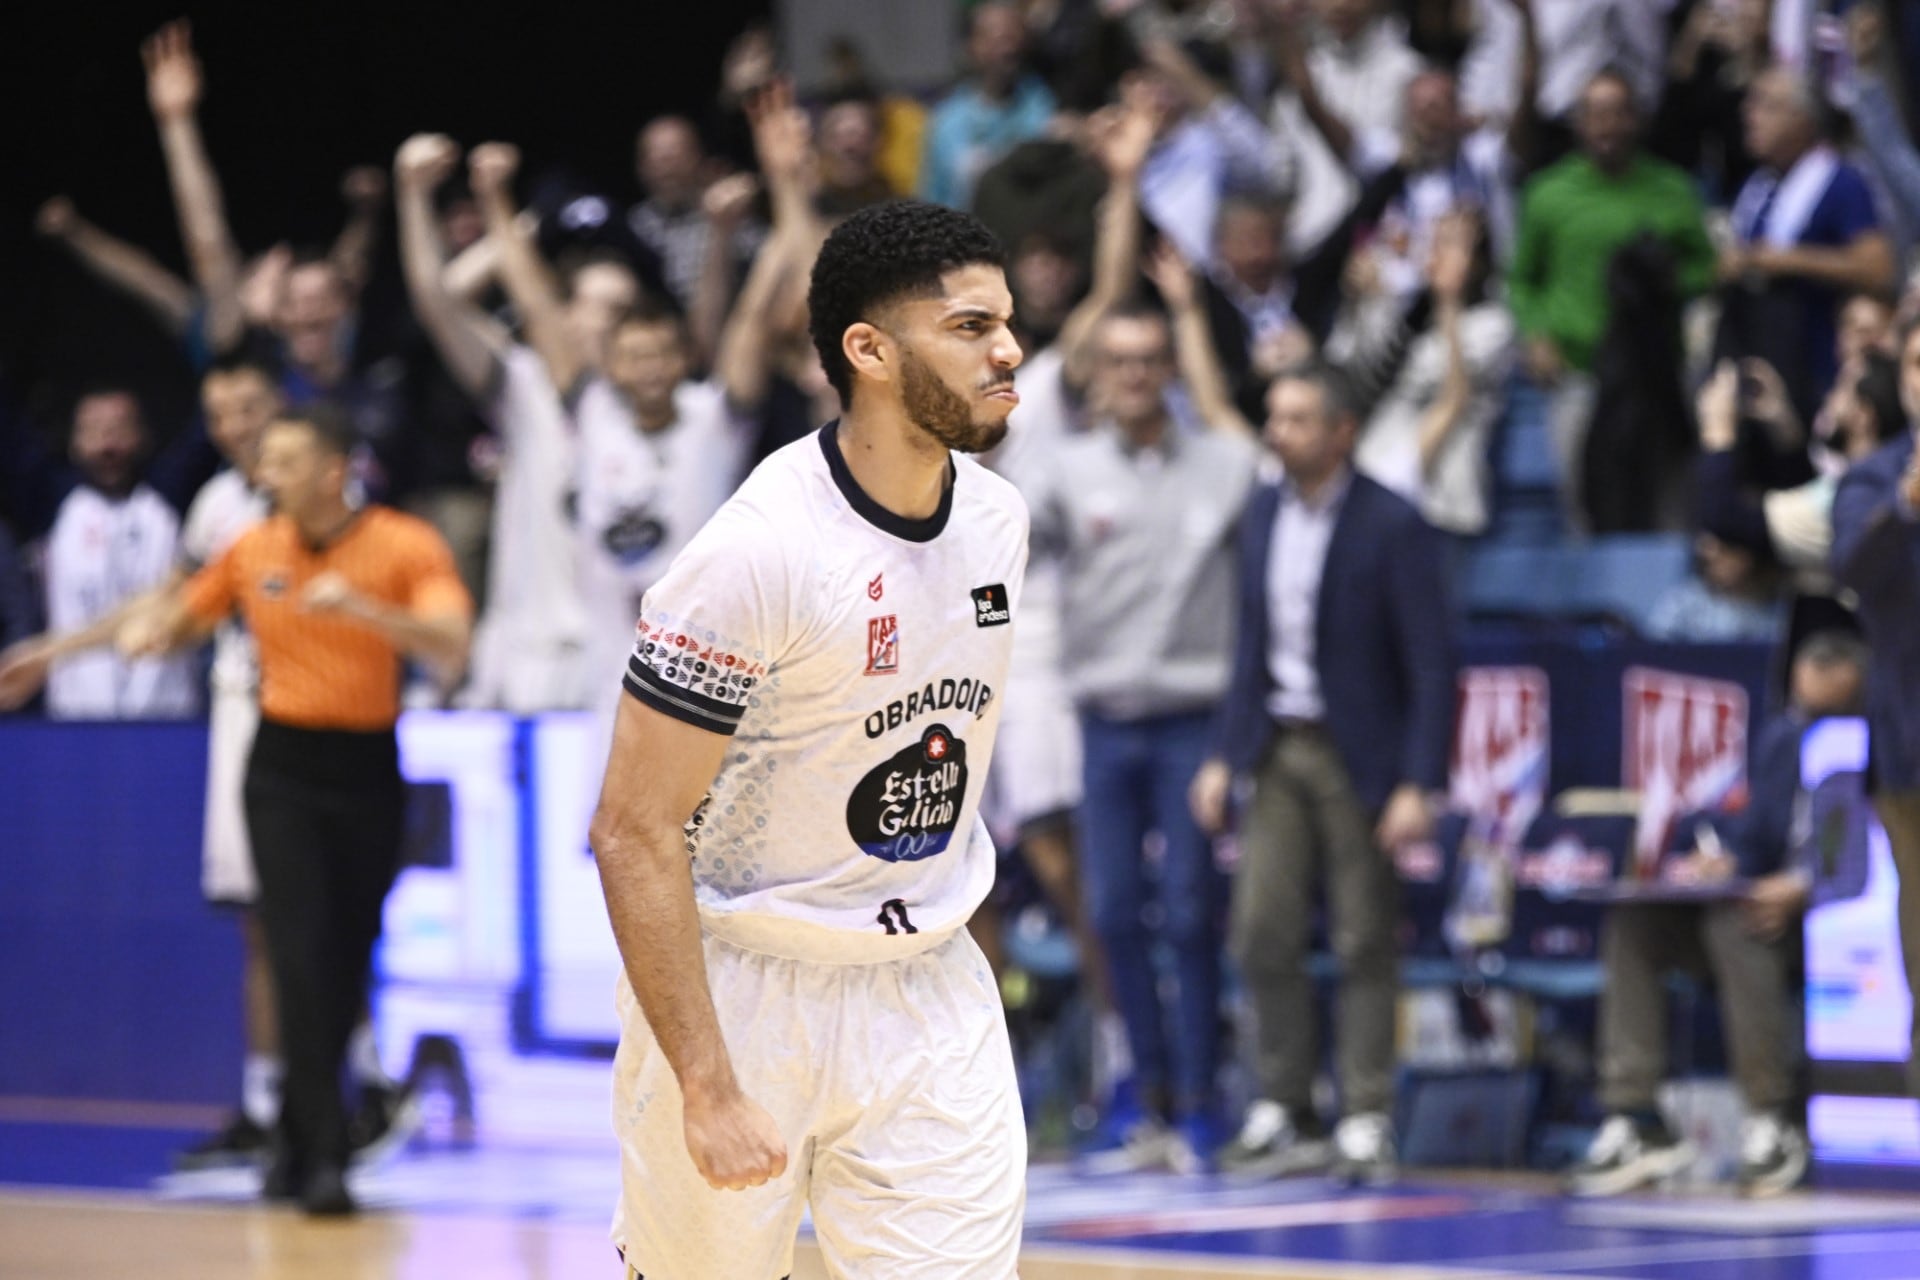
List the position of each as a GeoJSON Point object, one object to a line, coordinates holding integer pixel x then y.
{"type": "Point", "coordinates": [527, 650]}
{"type": "Point", "coordinates": [226, 507]}
{"type": "Point", "coordinates": [640, 497]}
{"type": "Point", "coordinates": [102, 552]}
{"type": "Point", "coordinates": [858, 661]}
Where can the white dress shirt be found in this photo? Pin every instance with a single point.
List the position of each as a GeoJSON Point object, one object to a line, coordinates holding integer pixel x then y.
{"type": "Point", "coordinates": [1295, 564]}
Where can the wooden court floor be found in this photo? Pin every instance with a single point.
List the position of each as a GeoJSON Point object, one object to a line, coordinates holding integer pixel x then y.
{"type": "Point", "coordinates": [62, 1236]}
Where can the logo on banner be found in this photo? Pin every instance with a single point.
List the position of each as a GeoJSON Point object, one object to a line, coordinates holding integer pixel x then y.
{"type": "Point", "coordinates": [1565, 865]}
{"type": "Point", "coordinates": [883, 645]}
{"type": "Point", "coordinates": [1501, 748]}
{"type": "Point", "coordinates": [1684, 742]}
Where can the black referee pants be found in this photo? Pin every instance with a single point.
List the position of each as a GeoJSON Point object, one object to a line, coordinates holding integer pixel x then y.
{"type": "Point", "coordinates": [325, 811]}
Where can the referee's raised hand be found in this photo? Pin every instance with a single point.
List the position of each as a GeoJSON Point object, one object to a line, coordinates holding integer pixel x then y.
{"type": "Point", "coordinates": [734, 1142]}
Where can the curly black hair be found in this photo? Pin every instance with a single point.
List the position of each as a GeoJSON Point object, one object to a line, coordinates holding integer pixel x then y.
{"type": "Point", "coordinates": [884, 253]}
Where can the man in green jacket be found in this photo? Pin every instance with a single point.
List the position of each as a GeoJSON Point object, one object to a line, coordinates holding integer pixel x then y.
{"type": "Point", "coordinates": [1573, 216]}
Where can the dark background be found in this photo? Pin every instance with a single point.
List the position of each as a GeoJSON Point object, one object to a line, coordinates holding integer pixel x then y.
{"type": "Point", "coordinates": [296, 94]}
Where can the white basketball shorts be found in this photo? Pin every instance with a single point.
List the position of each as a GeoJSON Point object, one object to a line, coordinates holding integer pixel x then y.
{"type": "Point", "coordinates": [226, 860]}
{"type": "Point", "coordinates": [893, 1085]}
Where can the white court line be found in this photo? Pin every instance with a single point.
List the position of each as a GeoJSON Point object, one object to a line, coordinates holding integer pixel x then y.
{"type": "Point", "coordinates": [1852, 1242]}
{"type": "Point", "coordinates": [1200, 1265]}
{"type": "Point", "coordinates": [1188, 1264]}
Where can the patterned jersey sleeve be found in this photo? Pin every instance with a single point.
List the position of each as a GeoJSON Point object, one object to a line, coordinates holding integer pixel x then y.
{"type": "Point", "coordinates": [710, 629]}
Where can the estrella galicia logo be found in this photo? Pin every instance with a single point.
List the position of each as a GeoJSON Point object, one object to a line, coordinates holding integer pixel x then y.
{"type": "Point", "coordinates": [906, 809]}
{"type": "Point", "coordinates": [991, 608]}
{"type": "Point", "coordinates": [634, 536]}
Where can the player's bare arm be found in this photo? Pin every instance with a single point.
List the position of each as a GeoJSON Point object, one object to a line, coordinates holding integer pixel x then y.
{"type": "Point", "coordinates": [658, 773]}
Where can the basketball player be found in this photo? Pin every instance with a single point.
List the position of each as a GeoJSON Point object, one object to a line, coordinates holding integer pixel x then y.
{"type": "Point", "coordinates": [528, 649]}
{"type": "Point", "coordinates": [239, 403]}
{"type": "Point", "coordinates": [656, 452]}
{"type": "Point", "coordinates": [788, 833]}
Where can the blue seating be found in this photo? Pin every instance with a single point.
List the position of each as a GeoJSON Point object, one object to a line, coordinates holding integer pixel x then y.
{"type": "Point", "coordinates": [1618, 577]}
{"type": "Point", "coordinates": [1523, 458]}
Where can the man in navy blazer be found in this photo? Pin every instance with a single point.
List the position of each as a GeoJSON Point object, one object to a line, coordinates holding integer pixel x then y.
{"type": "Point", "coordinates": [1340, 714]}
{"type": "Point", "coordinates": [1876, 555]}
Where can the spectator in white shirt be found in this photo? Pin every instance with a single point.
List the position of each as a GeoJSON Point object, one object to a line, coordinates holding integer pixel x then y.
{"type": "Point", "coordinates": [1578, 39]}
{"type": "Point", "coordinates": [1428, 437]}
{"type": "Point", "coordinates": [114, 538]}
{"type": "Point", "coordinates": [1343, 77]}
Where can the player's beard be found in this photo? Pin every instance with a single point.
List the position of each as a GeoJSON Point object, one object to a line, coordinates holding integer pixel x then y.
{"type": "Point", "coordinates": [942, 412]}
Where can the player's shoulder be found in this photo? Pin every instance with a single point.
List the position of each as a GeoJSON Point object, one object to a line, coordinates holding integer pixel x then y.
{"type": "Point", "coordinates": [226, 485]}
{"type": "Point", "coordinates": [777, 506]}
{"type": "Point", "coordinates": [703, 396]}
{"type": "Point", "coordinates": [985, 493]}
{"type": "Point", "coordinates": [595, 403]}
{"type": "Point", "coordinates": [147, 505]}
{"type": "Point", "coordinates": [227, 492]}
{"type": "Point", "coordinates": [522, 369]}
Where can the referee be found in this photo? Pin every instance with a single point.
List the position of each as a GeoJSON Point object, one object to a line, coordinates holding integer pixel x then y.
{"type": "Point", "coordinates": [336, 597]}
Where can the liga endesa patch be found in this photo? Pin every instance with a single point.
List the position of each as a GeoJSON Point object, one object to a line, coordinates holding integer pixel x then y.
{"type": "Point", "coordinates": [991, 607]}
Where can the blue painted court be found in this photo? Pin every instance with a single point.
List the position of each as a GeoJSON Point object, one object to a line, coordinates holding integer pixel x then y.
{"type": "Point", "coordinates": [1432, 1224]}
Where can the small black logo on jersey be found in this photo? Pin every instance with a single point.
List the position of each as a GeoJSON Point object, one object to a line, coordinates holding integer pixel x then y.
{"type": "Point", "coordinates": [990, 606]}
{"type": "Point", "coordinates": [892, 910]}
{"type": "Point", "coordinates": [273, 586]}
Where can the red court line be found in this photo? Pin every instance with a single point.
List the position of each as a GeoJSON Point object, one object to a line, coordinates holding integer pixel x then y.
{"type": "Point", "coordinates": [118, 1113]}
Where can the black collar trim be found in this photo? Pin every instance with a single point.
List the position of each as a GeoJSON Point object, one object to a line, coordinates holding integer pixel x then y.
{"type": "Point", "coordinates": [872, 512]}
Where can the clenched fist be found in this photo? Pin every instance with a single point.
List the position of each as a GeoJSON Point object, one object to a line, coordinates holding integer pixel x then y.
{"type": "Point", "coordinates": [492, 165]}
{"type": "Point", "coordinates": [363, 187]}
{"type": "Point", "coordinates": [1208, 795]}
{"type": "Point", "coordinates": [734, 1143]}
{"type": "Point", "coordinates": [56, 218]}
{"type": "Point", "coordinates": [425, 160]}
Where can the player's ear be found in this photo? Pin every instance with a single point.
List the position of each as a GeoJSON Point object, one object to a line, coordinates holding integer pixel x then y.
{"type": "Point", "coordinates": [869, 350]}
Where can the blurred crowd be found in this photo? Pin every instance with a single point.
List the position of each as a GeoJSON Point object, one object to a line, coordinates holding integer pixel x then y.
{"type": "Point", "coordinates": [1285, 271]}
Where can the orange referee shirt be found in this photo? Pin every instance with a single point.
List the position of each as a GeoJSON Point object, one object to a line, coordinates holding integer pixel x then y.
{"type": "Point", "coordinates": [324, 671]}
